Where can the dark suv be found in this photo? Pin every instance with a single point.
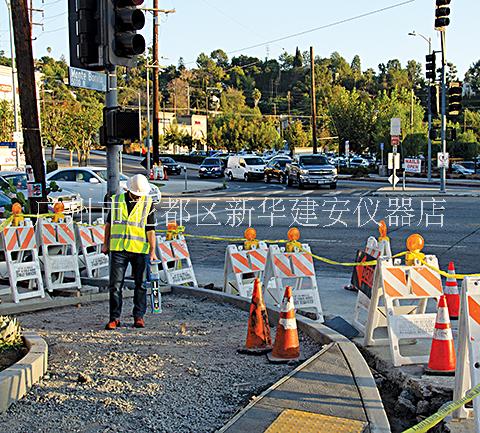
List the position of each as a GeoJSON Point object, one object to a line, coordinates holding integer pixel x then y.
{"type": "Point", "coordinates": [312, 169]}
{"type": "Point", "coordinates": [211, 167]}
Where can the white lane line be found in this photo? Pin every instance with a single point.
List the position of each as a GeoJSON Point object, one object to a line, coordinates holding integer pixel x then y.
{"type": "Point", "coordinates": [446, 246]}
{"type": "Point", "coordinates": [332, 194]}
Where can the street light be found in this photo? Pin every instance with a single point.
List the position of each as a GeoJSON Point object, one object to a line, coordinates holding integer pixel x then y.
{"type": "Point", "coordinates": [429, 156]}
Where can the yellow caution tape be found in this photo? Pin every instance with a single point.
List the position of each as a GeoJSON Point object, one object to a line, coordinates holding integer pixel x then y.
{"type": "Point", "coordinates": [443, 412]}
{"type": "Point", "coordinates": [443, 273]}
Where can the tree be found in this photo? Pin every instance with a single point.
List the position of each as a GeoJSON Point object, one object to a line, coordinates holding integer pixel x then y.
{"type": "Point", "coordinates": [298, 60]}
{"type": "Point", "coordinates": [6, 120]}
{"type": "Point", "coordinates": [296, 136]}
{"type": "Point", "coordinates": [472, 77]}
{"type": "Point", "coordinates": [256, 95]}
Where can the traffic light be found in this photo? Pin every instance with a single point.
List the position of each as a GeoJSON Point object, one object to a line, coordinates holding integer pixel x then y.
{"type": "Point", "coordinates": [433, 100]}
{"type": "Point", "coordinates": [85, 31]}
{"type": "Point", "coordinates": [120, 124]}
{"type": "Point", "coordinates": [455, 99]}
{"type": "Point", "coordinates": [123, 43]}
{"type": "Point", "coordinates": [442, 12]}
{"type": "Point", "coordinates": [431, 69]}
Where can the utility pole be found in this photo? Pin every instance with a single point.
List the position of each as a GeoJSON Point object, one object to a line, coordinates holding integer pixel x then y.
{"type": "Point", "coordinates": [149, 139]}
{"type": "Point", "coordinates": [314, 101]}
{"type": "Point", "coordinates": [443, 179]}
{"type": "Point", "coordinates": [156, 102]}
{"type": "Point", "coordinates": [28, 100]}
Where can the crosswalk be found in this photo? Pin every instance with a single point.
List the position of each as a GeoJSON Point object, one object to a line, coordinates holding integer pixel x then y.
{"type": "Point", "coordinates": [265, 192]}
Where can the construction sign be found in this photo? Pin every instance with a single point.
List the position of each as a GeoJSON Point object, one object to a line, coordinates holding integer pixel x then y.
{"type": "Point", "coordinates": [362, 276]}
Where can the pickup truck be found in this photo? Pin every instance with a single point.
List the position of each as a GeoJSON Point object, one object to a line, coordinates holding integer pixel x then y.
{"type": "Point", "coordinates": [311, 169]}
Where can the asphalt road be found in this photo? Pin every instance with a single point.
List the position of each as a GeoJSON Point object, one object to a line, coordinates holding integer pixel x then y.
{"type": "Point", "coordinates": [335, 223]}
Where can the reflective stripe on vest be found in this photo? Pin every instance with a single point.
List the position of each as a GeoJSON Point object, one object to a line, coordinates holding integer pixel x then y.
{"type": "Point", "coordinates": [127, 232]}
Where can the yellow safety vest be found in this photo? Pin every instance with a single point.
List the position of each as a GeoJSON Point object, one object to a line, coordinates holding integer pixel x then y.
{"type": "Point", "coordinates": [127, 232]}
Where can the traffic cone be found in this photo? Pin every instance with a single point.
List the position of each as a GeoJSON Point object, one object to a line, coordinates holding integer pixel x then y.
{"type": "Point", "coordinates": [286, 347]}
{"type": "Point", "coordinates": [165, 174]}
{"type": "Point", "coordinates": [258, 334]}
{"type": "Point", "coordinates": [442, 354]}
{"type": "Point", "coordinates": [152, 176]}
{"type": "Point", "coordinates": [451, 292]}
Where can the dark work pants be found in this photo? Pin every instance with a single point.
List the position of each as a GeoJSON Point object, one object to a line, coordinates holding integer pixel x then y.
{"type": "Point", "coordinates": [119, 261]}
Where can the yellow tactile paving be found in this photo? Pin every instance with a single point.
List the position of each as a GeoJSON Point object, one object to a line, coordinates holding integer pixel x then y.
{"type": "Point", "coordinates": [296, 421]}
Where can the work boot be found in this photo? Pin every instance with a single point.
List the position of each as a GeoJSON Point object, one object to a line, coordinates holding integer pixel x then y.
{"type": "Point", "coordinates": [112, 324]}
{"type": "Point", "coordinates": [138, 322]}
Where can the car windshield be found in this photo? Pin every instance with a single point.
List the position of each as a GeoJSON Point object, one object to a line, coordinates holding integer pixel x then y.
{"type": "Point", "coordinates": [211, 162]}
{"type": "Point", "coordinates": [19, 180]}
{"type": "Point", "coordinates": [313, 160]}
{"type": "Point", "coordinates": [254, 161]}
{"type": "Point", "coordinates": [281, 162]}
{"type": "Point", "coordinates": [167, 160]}
{"type": "Point", "coordinates": [102, 174]}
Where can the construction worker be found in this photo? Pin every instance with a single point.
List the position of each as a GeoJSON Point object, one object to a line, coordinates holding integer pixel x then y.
{"type": "Point", "coordinates": [130, 239]}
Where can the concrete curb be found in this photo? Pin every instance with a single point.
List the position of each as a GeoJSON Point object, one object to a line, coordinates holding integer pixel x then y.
{"type": "Point", "coordinates": [434, 193]}
{"type": "Point", "coordinates": [17, 380]}
{"type": "Point", "coordinates": [367, 387]}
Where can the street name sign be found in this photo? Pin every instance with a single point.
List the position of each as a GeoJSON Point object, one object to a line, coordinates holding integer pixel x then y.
{"type": "Point", "coordinates": [412, 165]}
{"type": "Point", "coordinates": [87, 79]}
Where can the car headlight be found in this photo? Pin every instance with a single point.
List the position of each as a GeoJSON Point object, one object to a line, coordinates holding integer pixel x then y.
{"type": "Point", "coordinates": [202, 169]}
{"type": "Point", "coordinates": [334, 172]}
{"type": "Point", "coordinates": [303, 171]}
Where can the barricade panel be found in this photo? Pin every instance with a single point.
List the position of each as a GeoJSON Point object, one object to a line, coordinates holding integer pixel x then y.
{"type": "Point", "coordinates": [89, 244]}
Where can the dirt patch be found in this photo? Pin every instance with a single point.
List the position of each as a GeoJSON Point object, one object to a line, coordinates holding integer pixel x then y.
{"type": "Point", "coordinates": [11, 356]}
{"type": "Point", "coordinates": [182, 373]}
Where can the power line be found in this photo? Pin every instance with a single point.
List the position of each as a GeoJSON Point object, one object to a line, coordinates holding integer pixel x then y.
{"type": "Point", "coordinates": [335, 23]}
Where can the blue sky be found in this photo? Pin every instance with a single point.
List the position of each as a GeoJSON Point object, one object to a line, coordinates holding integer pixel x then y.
{"type": "Point", "coordinates": [204, 25]}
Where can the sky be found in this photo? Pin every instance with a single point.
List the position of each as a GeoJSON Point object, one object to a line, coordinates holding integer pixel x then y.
{"type": "Point", "coordinates": [236, 26]}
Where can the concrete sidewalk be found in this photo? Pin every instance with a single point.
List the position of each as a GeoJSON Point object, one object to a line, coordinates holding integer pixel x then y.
{"type": "Point", "coordinates": [425, 192]}
{"type": "Point", "coordinates": [175, 187]}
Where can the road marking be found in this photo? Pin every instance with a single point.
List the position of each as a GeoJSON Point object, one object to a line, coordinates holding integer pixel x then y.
{"type": "Point", "coordinates": [446, 246]}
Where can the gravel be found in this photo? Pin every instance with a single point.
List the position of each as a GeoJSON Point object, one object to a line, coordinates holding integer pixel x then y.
{"type": "Point", "coordinates": [181, 373]}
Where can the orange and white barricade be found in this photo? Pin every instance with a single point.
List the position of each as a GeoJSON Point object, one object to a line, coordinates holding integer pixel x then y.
{"type": "Point", "coordinates": [89, 245]}
{"type": "Point", "coordinates": [19, 246]}
{"type": "Point", "coordinates": [242, 267]}
{"type": "Point", "coordinates": [404, 320]}
{"type": "Point", "coordinates": [58, 254]}
{"type": "Point", "coordinates": [294, 269]}
{"type": "Point", "coordinates": [467, 373]}
{"type": "Point", "coordinates": [176, 263]}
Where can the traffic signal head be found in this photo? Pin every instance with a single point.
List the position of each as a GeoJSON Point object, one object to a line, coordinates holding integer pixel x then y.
{"type": "Point", "coordinates": [85, 31]}
{"type": "Point", "coordinates": [455, 99]}
{"type": "Point", "coordinates": [442, 12]}
{"type": "Point", "coordinates": [120, 124]}
{"type": "Point", "coordinates": [124, 44]}
{"type": "Point", "coordinates": [433, 100]}
{"type": "Point", "coordinates": [431, 68]}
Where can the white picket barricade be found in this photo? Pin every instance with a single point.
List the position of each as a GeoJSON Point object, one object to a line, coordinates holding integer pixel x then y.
{"type": "Point", "coordinates": [404, 283]}
{"type": "Point", "coordinates": [19, 247]}
{"type": "Point", "coordinates": [176, 263]}
{"type": "Point", "coordinates": [467, 373]}
{"type": "Point", "coordinates": [58, 256]}
{"type": "Point", "coordinates": [294, 269]}
{"type": "Point", "coordinates": [375, 249]}
{"type": "Point", "coordinates": [89, 245]}
{"type": "Point", "coordinates": [242, 267]}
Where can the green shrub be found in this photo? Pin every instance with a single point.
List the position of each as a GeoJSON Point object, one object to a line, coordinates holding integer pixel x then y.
{"type": "Point", "coordinates": [51, 165]}
{"type": "Point", "coordinates": [10, 333]}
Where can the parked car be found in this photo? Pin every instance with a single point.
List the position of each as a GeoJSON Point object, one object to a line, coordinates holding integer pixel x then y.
{"type": "Point", "coordinates": [246, 167]}
{"type": "Point", "coordinates": [276, 169]}
{"type": "Point", "coordinates": [461, 169]}
{"type": "Point", "coordinates": [71, 200]}
{"type": "Point", "coordinates": [91, 183]}
{"type": "Point", "coordinates": [359, 162]}
{"type": "Point", "coordinates": [312, 169]}
{"type": "Point", "coordinates": [171, 165]}
{"type": "Point", "coordinates": [4, 201]}
{"type": "Point", "coordinates": [469, 165]}
{"type": "Point", "coordinates": [211, 167]}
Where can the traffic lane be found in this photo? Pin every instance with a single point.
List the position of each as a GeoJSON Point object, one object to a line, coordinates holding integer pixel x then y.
{"type": "Point", "coordinates": [332, 233]}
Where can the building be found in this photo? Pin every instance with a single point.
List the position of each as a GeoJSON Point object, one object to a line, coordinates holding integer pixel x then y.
{"type": "Point", "coordinates": [194, 125]}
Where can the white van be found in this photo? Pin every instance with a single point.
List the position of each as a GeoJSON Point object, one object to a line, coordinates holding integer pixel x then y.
{"type": "Point", "coordinates": [245, 167]}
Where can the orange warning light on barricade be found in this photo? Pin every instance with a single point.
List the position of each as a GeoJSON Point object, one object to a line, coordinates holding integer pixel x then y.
{"type": "Point", "coordinates": [293, 237]}
{"type": "Point", "coordinates": [58, 209]}
{"type": "Point", "coordinates": [172, 230]}
{"type": "Point", "coordinates": [382, 229]}
{"type": "Point", "coordinates": [415, 244]}
{"type": "Point", "coordinates": [17, 214]}
{"type": "Point", "coordinates": [251, 241]}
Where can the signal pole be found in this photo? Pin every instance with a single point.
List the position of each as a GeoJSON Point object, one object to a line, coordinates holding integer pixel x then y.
{"type": "Point", "coordinates": [443, 179]}
{"type": "Point", "coordinates": [156, 102]}
{"type": "Point", "coordinates": [314, 102]}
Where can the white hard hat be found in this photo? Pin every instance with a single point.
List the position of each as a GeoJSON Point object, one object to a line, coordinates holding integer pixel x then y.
{"type": "Point", "coordinates": [138, 185]}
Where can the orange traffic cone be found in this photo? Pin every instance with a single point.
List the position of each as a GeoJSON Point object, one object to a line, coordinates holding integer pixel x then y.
{"type": "Point", "coordinates": [258, 334]}
{"type": "Point", "coordinates": [165, 174]}
{"type": "Point", "coordinates": [451, 292]}
{"type": "Point", "coordinates": [286, 347]}
{"type": "Point", "coordinates": [152, 176]}
{"type": "Point", "coordinates": [442, 354]}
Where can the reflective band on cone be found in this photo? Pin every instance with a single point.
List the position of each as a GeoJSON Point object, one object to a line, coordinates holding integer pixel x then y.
{"type": "Point", "coordinates": [442, 354]}
{"type": "Point", "coordinates": [452, 294]}
{"type": "Point", "coordinates": [259, 340]}
{"type": "Point", "coordinates": [286, 347]}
